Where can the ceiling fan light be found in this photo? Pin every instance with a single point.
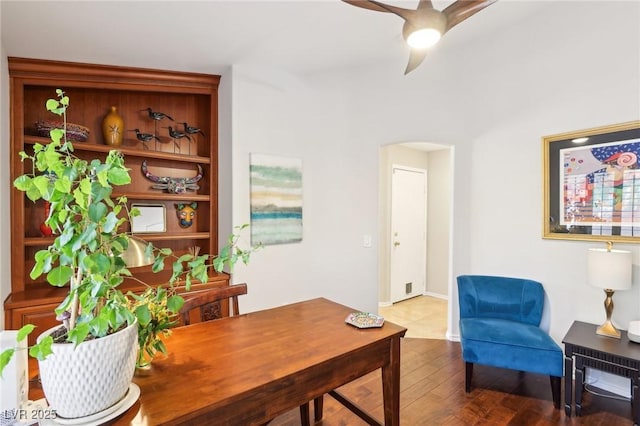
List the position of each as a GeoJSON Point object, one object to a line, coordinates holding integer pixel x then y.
{"type": "Point", "coordinates": [425, 28]}
{"type": "Point", "coordinates": [423, 38]}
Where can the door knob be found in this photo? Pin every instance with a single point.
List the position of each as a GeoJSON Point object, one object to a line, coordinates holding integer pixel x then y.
{"type": "Point", "coordinates": [396, 244]}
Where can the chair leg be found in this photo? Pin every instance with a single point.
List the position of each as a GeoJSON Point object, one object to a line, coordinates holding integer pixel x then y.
{"type": "Point", "coordinates": [467, 377]}
{"type": "Point", "coordinates": [304, 414]}
{"type": "Point", "coordinates": [555, 391]}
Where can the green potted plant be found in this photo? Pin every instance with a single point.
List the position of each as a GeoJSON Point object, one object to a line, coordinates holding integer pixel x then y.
{"type": "Point", "coordinates": [87, 258]}
{"type": "Point", "coordinates": [157, 307]}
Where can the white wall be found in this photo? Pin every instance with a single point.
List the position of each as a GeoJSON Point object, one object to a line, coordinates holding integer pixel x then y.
{"type": "Point", "coordinates": [279, 114]}
{"type": "Point", "coordinates": [439, 222]}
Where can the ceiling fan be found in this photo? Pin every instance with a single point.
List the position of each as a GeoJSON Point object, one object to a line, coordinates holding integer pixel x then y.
{"type": "Point", "coordinates": [424, 25]}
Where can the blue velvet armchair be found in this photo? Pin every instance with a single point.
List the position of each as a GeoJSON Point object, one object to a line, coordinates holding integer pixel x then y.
{"type": "Point", "coordinates": [500, 326]}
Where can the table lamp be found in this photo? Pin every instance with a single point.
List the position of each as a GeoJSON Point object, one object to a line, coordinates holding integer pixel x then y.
{"type": "Point", "coordinates": [136, 254]}
{"type": "Point", "coordinates": [609, 270]}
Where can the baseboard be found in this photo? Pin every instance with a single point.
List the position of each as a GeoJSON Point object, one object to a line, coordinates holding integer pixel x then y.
{"type": "Point", "coordinates": [436, 295]}
{"type": "Point", "coordinates": [428, 293]}
{"type": "Point", "coordinates": [452, 337]}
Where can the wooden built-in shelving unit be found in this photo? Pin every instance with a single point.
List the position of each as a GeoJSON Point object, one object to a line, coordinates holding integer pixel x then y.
{"type": "Point", "coordinates": [93, 89]}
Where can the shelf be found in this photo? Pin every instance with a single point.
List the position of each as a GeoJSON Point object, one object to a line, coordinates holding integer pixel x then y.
{"type": "Point", "coordinates": [162, 196]}
{"type": "Point", "coordinates": [133, 152]}
{"type": "Point", "coordinates": [174, 236]}
{"type": "Point", "coordinates": [46, 241]}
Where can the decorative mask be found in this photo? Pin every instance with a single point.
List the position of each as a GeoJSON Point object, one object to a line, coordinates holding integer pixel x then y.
{"type": "Point", "coordinates": [186, 214]}
{"type": "Point", "coordinates": [171, 184]}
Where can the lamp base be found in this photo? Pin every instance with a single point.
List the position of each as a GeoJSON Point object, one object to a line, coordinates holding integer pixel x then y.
{"type": "Point", "coordinates": [607, 329]}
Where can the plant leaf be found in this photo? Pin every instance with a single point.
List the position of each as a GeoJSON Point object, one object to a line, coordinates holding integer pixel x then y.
{"type": "Point", "coordinates": [59, 275]}
{"type": "Point", "coordinates": [111, 223]}
{"type": "Point", "coordinates": [79, 333]}
{"type": "Point", "coordinates": [23, 183]}
{"type": "Point", "coordinates": [119, 176]}
{"type": "Point", "coordinates": [42, 183]}
{"type": "Point", "coordinates": [174, 303]}
{"type": "Point", "coordinates": [24, 332]}
{"type": "Point", "coordinates": [52, 104]}
{"type": "Point", "coordinates": [143, 315]}
{"type": "Point", "coordinates": [97, 211]}
{"type": "Point", "coordinates": [43, 349]}
{"type": "Point", "coordinates": [56, 135]}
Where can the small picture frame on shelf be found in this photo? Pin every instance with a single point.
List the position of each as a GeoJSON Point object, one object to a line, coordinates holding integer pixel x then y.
{"type": "Point", "coordinates": [152, 218]}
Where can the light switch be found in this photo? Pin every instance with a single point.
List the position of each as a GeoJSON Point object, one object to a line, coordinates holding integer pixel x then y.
{"type": "Point", "coordinates": [367, 241]}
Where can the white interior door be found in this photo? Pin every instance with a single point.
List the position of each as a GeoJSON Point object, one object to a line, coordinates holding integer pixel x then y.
{"type": "Point", "coordinates": [408, 232]}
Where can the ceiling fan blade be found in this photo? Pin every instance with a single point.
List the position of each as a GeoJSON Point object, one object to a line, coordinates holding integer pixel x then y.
{"type": "Point", "coordinates": [381, 7]}
{"type": "Point", "coordinates": [416, 56]}
{"type": "Point", "coordinates": [462, 9]}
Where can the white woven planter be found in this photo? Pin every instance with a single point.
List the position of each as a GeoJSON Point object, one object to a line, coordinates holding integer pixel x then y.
{"type": "Point", "coordinates": [91, 378]}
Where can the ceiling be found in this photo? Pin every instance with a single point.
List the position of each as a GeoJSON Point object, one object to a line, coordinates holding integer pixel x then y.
{"type": "Point", "coordinates": [296, 36]}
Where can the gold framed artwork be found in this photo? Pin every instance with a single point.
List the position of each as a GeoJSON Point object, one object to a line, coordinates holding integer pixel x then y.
{"type": "Point", "coordinates": [591, 184]}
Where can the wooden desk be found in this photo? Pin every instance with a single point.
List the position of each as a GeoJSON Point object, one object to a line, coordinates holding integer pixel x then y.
{"type": "Point", "coordinates": [615, 356]}
{"type": "Point", "coordinates": [251, 368]}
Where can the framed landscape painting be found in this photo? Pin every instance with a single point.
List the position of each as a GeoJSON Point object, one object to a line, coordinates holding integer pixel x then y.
{"type": "Point", "coordinates": [276, 199]}
{"type": "Point", "coordinates": [592, 184]}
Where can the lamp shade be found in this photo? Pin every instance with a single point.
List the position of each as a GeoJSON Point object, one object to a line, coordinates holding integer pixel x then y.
{"type": "Point", "coordinates": [136, 255]}
{"type": "Point", "coordinates": [609, 269]}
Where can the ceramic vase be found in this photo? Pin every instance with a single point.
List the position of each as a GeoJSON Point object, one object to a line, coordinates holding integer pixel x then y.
{"type": "Point", "coordinates": [113, 128]}
{"type": "Point", "coordinates": [82, 380]}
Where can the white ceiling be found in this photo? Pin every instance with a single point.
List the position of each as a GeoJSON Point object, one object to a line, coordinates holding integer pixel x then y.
{"type": "Point", "coordinates": [209, 36]}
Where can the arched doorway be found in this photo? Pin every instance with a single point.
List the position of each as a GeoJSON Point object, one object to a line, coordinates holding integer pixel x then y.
{"type": "Point", "coordinates": [437, 160]}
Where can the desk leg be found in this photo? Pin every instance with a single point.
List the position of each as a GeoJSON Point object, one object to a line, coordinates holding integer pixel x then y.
{"type": "Point", "coordinates": [391, 385]}
{"type": "Point", "coordinates": [579, 385]}
{"type": "Point", "coordinates": [304, 415]}
{"type": "Point", "coordinates": [318, 405]}
{"type": "Point", "coordinates": [568, 383]}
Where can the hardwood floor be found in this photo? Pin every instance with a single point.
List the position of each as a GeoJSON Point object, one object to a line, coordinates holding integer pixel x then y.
{"type": "Point", "coordinates": [432, 393]}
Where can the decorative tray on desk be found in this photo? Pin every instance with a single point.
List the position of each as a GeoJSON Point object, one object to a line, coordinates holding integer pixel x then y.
{"type": "Point", "coordinates": [364, 320]}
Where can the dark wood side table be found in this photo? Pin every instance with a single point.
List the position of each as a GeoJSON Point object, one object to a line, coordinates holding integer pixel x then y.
{"type": "Point", "coordinates": [615, 356]}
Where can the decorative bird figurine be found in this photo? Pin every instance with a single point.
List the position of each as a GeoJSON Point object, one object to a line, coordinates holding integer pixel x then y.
{"type": "Point", "coordinates": [192, 130]}
{"type": "Point", "coordinates": [145, 137]}
{"type": "Point", "coordinates": [177, 134]}
{"type": "Point", "coordinates": [156, 115]}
